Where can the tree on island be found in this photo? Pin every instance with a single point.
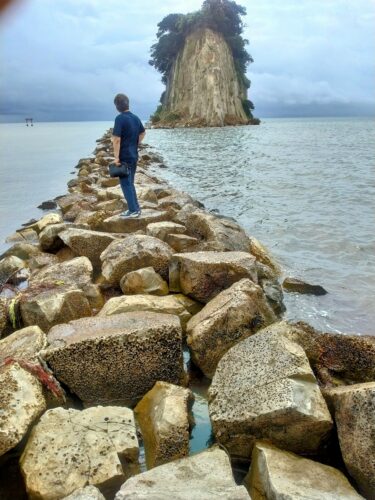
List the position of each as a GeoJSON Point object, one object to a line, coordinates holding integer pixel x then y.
{"type": "Point", "coordinates": [220, 16]}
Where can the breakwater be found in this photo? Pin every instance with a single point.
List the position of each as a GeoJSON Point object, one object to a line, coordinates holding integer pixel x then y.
{"type": "Point", "coordinates": [93, 356]}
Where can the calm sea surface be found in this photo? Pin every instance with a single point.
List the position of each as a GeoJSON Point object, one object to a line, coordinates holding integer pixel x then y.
{"type": "Point", "coordinates": [304, 188]}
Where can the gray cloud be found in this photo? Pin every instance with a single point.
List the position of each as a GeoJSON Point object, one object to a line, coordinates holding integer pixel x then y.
{"type": "Point", "coordinates": [65, 60]}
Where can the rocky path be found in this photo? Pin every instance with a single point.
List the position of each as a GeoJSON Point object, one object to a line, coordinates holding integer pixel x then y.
{"type": "Point", "coordinates": [96, 312]}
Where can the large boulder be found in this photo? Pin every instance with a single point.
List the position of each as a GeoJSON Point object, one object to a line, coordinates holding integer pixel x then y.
{"type": "Point", "coordinates": [182, 243]}
{"type": "Point", "coordinates": [162, 229]}
{"type": "Point", "coordinates": [76, 272]}
{"type": "Point", "coordinates": [167, 304]}
{"type": "Point", "coordinates": [22, 250]}
{"type": "Point", "coordinates": [9, 267]}
{"type": "Point", "coordinates": [145, 280]}
{"type": "Point", "coordinates": [163, 416]}
{"type": "Point", "coordinates": [42, 260]}
{"type": "Point", "coordinates": [204, 476]}
{"type": "Point", "coordinates": [87, 243]}
{"type": "Point", "coordinates": [217, 233]}
{"type": "Point", "coordinates": [281, 475]}
{"type": "Point", "coordinates": [123, 355]}
{"type": "Point", "coordinates": [52, 306]}
{"type": "Point", "coordinates": [22, 402]}
{"type": "Point", "coordinates": [234, 314]}
{"type": "Point", "coordinates": [70, 449]}
{"type": "Point", "coordinates": [335, 358]}
{"type": "Point", "coordinates": [118, 224]}
{"type": "Point", "coordinates": [23, 344]}
{"type": "Point", "coordinates": [202, 275]}
{"type": "Point", "coordinates": [132, 253]}
{"type": "Point", "coordinates": [49, 239]}
{"type": "Point", "coordinates": [46, 220]}
{"type": "Point", "coordinates": [264, 388]}
{"type": "Point", "coordinates": [354, 415]}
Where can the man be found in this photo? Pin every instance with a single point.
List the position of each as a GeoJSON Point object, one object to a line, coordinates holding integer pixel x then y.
{"type": "Point", "coordinates": [128, 132]}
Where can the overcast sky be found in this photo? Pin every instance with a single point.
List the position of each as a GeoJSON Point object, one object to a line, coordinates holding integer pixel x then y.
{"type": "Point", "coordinates": [65, 59]}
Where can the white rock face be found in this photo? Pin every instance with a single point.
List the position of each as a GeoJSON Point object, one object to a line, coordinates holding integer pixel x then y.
{"type": "Point", "coordinates": [205, 476]}
{"type": "Point", "coordinates": [167, 304]}
{"type": "Point", "coordinates": [23, 344]}
{"type": "Point", "coordinates": [354, 410]}
{"type": "Point", "coordinates": [145, 280]}
{"type": "Point", "coordinates": [203, 87]}
{"type": "Point", "coordinates": [281, 475]}
{"type": "Point", "coordinates": [163, 416]}
{"type": "Point", "coordinates": [264, 388]}
{"type": "Point", "coordinates": [70, 449]}
{"type": "Point", "coordinates": [21, 403]}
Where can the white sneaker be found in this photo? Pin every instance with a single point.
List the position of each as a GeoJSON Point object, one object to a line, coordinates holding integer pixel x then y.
{"type": "Point", "coordinates": [128, 214]}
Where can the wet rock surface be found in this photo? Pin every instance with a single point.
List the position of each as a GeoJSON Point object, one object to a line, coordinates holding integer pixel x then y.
{"type": "Point", "coordinates": [299, 286]}
{"type": "Point", "coordinates": [69, 449]}
{"type": "Point", "coordinates": [123, 355]}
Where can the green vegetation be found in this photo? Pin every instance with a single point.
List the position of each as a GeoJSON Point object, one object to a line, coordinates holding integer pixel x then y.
{"type": "Point", "coordinates": [222, 16]}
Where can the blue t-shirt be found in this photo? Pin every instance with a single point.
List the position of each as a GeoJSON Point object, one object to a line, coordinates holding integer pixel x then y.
{"type": "Point", "coordinates": [128, 127]}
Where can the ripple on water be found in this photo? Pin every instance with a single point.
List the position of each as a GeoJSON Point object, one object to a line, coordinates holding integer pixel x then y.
{"type": "Point", "coordinates": [305, 189]}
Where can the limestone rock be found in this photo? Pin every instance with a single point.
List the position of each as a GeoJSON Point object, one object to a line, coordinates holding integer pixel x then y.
{"type": "Point", "coordinates": [264, 388]}
{"type": "Point", "coordinates": [66, 202]}
{"type": "Point", "coordinates": [182, 243]}
{"type": "Point", "coordinates": [9, 266]}
{"type": "Point", "coordinates": [46, 220]}
{"type": "Point", "coordinates": [167, 304]}
{"type": "Point", "coordinates": [123, 355]}
{"type": "Point", "coordinates": [162, 229]}
{"type": "Point", "coordinates": [217, 233]}
{"type": "Point", "coordinates": [42, 260]}
{"type": "Point", "coordinates": [283, 475]}
{"type": "Point", "coordinates": [49, 239]}
{"type": "Point", "coordinates": [202, 275]}
{"type": "Point", "coordinates": [212, 94]}
{"type": "Point", "coordinates": [355, 420]}
{"type": "Point", "coordinates": [142, 281]}
{"type": "Point", "coordinates": [70, 449]}
{"type": "Point", "coordinates": [299, 286]}
{"type": "Point", "coordinates": [132, 253]}
{"type": "Point", "coordinates": [22, 250]}
{"type": "Point", "coordinates": [177, 200]}
{"type": "Point", "coordinates": [263, 256]}
{"type": "Point", "coordinates": [87, 493]}
{"type": "Point", "coordinates": [22, 402]}
{"type": "Point", "coordinates": [118, 224]}
{"type": "Point", "coordinates": [54, 306]}
{"type": "Point", "coordinates": [204, 476]}
{"type": "Point", "coordinates": [87, 243]}
{"type": "Point", "coordinates": [23, 344]}
{"type": "Point", "coordinates": [163, 416]}
{"type": "Point", "coordinates": [234, 314]}
{"type": "Point", "coordinates": [335, 358]}
{"type": "Point", "coordinates": [76, 272]}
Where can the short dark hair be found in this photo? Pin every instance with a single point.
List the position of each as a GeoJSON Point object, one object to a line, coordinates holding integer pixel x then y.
{"type": "Point", "coordinates": [121, 102]}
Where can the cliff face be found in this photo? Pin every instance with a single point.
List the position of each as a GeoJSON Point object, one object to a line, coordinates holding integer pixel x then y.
{"type": "Point", "coordinates": [203, 88]}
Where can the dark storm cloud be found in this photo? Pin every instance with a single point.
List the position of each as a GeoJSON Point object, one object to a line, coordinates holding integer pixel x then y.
{"type": "Point", "coordinates": [66, 59]}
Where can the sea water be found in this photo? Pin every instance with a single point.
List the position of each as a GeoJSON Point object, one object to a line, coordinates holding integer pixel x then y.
{"type": "Point", "coordinates": [304, 187]}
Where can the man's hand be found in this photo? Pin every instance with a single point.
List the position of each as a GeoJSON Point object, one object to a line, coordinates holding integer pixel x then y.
{"type": "Point", "coordinates": [117, 161]}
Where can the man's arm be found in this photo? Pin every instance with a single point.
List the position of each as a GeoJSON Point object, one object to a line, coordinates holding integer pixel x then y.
{"type": "Point", "coordinates": [141, 137]}
{"type": "Point", "coordinates": [116, 141]}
